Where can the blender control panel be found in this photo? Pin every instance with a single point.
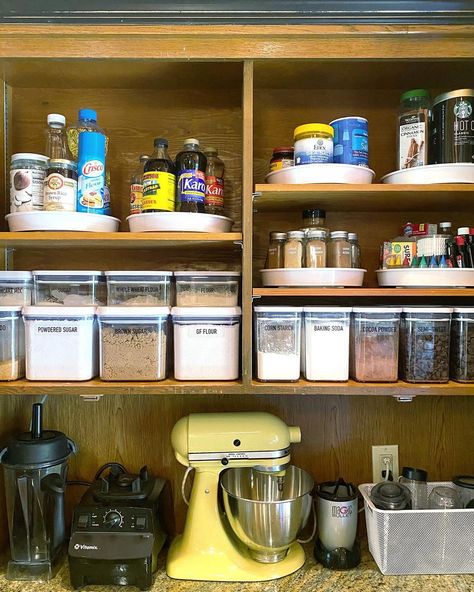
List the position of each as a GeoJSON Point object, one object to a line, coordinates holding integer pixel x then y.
{"type": "Point", "coordinates": [116, 519]}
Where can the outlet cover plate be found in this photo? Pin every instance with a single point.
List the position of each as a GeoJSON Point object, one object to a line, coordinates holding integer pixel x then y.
{"type": "Point", "coordinates": [378, 454]}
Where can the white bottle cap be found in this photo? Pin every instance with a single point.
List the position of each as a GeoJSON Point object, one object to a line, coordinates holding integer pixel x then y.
{"type": "Point", "coordinates": [56, 118]}
{"type": "Point", "coordinates": [191, 141]}
{"type": "Point", "coordinates": [463, 230]}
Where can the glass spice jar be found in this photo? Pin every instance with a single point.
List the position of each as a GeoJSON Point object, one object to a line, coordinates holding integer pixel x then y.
{"type": "Point", "coordinates": [355, 250]}
{"type": "Point", "coordinates": [314, 219]}
{"type": "Point", "coordinates": [339, 250]}
{"type": "Point", "coordinates": [275, 253]}
{"type": "Point", "coordinates": [315, 248]}
{"type": "Point", "coordinates": [283, 157]}
{"type": "Point", "coordinates": [293, 256]}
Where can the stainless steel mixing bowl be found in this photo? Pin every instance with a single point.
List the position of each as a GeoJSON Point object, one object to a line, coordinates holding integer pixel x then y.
{"type": "Point", "coordinates": [266, 511]}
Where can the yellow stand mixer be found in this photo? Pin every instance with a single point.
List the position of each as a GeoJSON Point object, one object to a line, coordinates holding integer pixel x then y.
{"type": "Point", "coordinates": [266, 501]}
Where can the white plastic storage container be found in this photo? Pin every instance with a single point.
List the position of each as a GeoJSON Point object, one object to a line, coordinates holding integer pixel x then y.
{"type": "Point", "coordinates": [12, 343]}
{"type": "Point", "coordinates": [327, 342]}
{"type": "Point", "coordinates": [374, 343]}
{"type": "Point", "coordinates": [61, 342]}
{"type": "Point", "coordinates": [15, 288]}
{"type": "Point", "coordinates": [139, 288]}
{"type": "Point", "coordinates": [206, 343]}
{"type": "Point", "coordinates": [405, 542]}
{"type": "Point", "coordinates": [68, 288]}
{"type": "Point", "coordinates": [278, 342]}
{"type": "Point", "coordinates": [133, 342]}
{"type": "Point", "coordinates": [207, 288]}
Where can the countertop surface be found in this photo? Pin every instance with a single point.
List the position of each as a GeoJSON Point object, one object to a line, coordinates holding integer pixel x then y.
{"type": "Point", "coordinates": [312, 577]}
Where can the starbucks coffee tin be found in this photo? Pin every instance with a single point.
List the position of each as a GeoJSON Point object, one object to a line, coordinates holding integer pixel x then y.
{"type": "Point", "coordinates": [452, 129]}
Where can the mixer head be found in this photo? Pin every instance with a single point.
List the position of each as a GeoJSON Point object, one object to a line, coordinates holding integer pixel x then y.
{"type": "Point", "coordinates": [245, 439]}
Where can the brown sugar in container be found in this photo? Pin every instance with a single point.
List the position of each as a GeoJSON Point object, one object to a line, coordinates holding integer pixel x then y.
{"type": "Point", "coordinates": [339, 250]}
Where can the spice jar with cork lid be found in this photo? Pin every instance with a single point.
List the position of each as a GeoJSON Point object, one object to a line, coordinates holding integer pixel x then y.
{"type": "Point", "coordinates": [339, 250]}
{"type": "Point", "coordinates": [276, 248]}
{"type": "Point", "coordinates": [294, 254]}
{"type": "Point", "coordinates": [315, 248]}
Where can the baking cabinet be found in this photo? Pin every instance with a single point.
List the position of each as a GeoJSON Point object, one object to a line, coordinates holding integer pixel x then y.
{"type": "Point", "coordinates": [242, 89]}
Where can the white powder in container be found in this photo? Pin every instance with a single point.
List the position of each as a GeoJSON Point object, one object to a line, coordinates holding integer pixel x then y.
{"type": "Point", "coordinates": [327, 343]}
{"type": "Point", "coordinates": [61, 343]}
{"type": "Point", "coordinates": [278, 366]}
{"type": "Point", "coordinates": [206, 343]}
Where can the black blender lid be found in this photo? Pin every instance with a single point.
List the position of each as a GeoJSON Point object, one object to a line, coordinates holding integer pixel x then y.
{"type": "Point", "coordinates": [122, 486]}
{"type": "Point", "coordinates": [337, 491]}
{"type": "Point", "coordinates": [38, 447]}
{"type": "Point", "coordinates": [390, 495]}
{"type": "Point", "coordinates": [464, 481]}
{"type": "Point", "coordinates": [414, 474]}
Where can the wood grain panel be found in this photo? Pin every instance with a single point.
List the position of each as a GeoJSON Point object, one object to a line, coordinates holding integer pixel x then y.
{"type": "Point", "coordinates": [433, 433]}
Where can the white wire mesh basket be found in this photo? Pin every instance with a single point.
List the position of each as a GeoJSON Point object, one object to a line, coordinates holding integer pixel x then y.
{"type": "Point", "coordinates": [404, 542]}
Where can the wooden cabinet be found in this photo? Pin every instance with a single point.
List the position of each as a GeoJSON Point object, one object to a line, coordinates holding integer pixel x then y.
{"type": "Point", "coordinates": [243, 89]}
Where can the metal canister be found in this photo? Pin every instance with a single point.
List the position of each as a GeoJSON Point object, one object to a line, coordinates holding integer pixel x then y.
{"type": "Point", "coordinates": [351, 140]}
{"type": "Point", "coordinates": [452, 130]}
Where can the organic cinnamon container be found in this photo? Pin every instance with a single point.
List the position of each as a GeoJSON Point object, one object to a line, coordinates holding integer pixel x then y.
{"type": "Point", "coordinates": [339, 250]}
{"type": "Point", "coordinates": [294, 249]}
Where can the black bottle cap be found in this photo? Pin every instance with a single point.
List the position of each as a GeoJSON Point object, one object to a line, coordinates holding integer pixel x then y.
{"type": "Point", "coordinates": [464, 481]}
{"type": "Point", "coordinates": [414, 474]}
{"type": "Point", "coordinates": [38, 447]}
{"type": "Point", "coordinates": [316, 213]}
{"type": "Point", "coordinates": [160, 142]}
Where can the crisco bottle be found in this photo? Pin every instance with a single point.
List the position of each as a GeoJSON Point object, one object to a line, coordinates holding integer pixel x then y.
{"type": "Point", "coordinates": [191, 168]}
{"type": "Point", "coordinates": [214, 200]}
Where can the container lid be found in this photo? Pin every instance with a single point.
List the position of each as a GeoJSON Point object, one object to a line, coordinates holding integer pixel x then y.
{"type": "Point", "coordinates": [314, 128]}
{"type": "Point", "coordinates": [283, 149]}
{"type": "Point", "coordinates": [160, 142]}
{"type": "Point", "coordinates": [66, 272]}
{"type": "Point", "coordinates": [15, 275]}
{"type": "Point", "coordinates": [278, 309]}
{"type": "Point", "coordinates": [277, 235]}
{"type": "Point", "coordinates": [454, 94]}
{"type": "Point", "coordinates": [339, 234]}
{"type": "Point", "coordinates": [29, 156]}
{"type": "Point", "coordinates": [315, 233]}
{"type": "Point", "coordinates": [56, 118]}
{"type": "Point", "coordinates": [37, 447]}
{"type": "Point", "coordinates": [424, 309]}
{"type": "Point", "coordinates": [414, 474]}
{"type": "Point", "coordinates": [137, 273]}
{"type": "Point", "coordinates": [207, 273]}
{"type": "Point", "coordinates": [348, 117]}
{"type": "Point", "coordinates": [377, 309]}
{"type": "Point", "coordinates": [413, 94]}
{"type": "Point", "coordinates": [327, 309]}
{"type": "Point", "coordinates": [295, 234]}
{"type": "Point", "coordinates": [316, 212]}
{"type": "Point", "coordinates": [126, 312]}
{"type": "Point", "coordinates": [352, 235]}
{"type": "Point", "coordinates": [463, 230]}
{"type": "Point", "coordinates": [206, 311]}
{"type": "Point", "coordinates": [44, 312]}
{"type": "Point", "coordinates": [64, 162]}
{"type": "Point", "coordinates": [337, 491]}
{"type": "Point", "coordinates": [463, 309]}
{"type": "Point", "coordinates": [10, 309]}
{"type": "Point", "coordinates": [143, 157]}
{"type": "Point", "coordinates": [464, 481]}
{"type": "Point", "coordinates": [191, 141]}
{"type": "Point", "coordinates": [88, 114]}
{"type": "Point", "coordinates": [389, 495]}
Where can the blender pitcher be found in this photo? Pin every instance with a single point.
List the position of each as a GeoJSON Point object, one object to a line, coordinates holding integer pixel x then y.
{"type": "Point", "coordinates": [35, 465]}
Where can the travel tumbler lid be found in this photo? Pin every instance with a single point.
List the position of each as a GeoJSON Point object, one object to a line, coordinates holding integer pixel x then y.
{"type": "Point", "coordinates": [337, 491]}
{"type": "Point", "coordinates": [38, 447]}
{"type": "Point", "coordinates": [414, 474]}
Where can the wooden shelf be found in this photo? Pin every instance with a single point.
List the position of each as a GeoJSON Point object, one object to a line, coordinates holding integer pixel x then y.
{"type": "Point", "coordinates": [367, 292]}
{"type": "Point", "coordinates": [117, 240]}
{"type": "Point", "coordinates": [364, 198]}
{"type": "Point", "coordinates": [99, 387]}
{"type": "Point", "coordinates": [395, 389]}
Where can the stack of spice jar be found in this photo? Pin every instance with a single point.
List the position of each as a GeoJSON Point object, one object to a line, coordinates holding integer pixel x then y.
{"type": "Point", "coordinates": [313, 246]}
{"type": "Point", "coordinates": [369, 344]}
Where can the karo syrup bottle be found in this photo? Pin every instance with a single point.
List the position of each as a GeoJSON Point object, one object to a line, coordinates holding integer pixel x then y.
{"type": "Point", "coordinates": [214, 201]}
{"type": "Point", "coordinates": [191, 168]}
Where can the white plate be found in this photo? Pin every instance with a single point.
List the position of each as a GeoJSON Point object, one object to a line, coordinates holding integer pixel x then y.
{"type": "Point", "coordinates": [322, 173]}
{"type": "Point", "coordinates": [61, 221]}
{"type": "Point", "coordinates": [329, 277]}
{"type": "Point", "coordinates": [462, 172]}
{"type": "Point", "coordinates": [178, 222]}
{"type": "Point", "coordinates": [406, 277]}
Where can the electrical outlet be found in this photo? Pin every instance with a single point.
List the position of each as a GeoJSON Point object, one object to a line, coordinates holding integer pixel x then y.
{"type": "Point", "coordinates": [380, 454]}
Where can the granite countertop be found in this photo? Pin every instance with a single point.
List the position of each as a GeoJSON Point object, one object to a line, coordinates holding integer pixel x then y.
{"type": "Point", "coordinates": [312, 577]}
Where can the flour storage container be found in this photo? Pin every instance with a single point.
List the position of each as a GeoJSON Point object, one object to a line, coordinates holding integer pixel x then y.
{"type": "Point", "coordinates": [139, 288]}
{"type": "Point", "coordinates": [462, 345]}
{"type": "Point", "coordinates": [425, 344]}
{"type": "Point", "coordinates": [61, 342]}
{"type": "Point", "coordinates": [206, 342]}
{"type": "Point", "coordinates": [68, 288]}
{"type": "Point", "coordinates": [278, 342]}
{"type": "Point", "coordinates": [133, 342]}
{"type": "Point", "coordinates": [207, 288]}
{"type": "Point", "coordinates": [375, 343]}
{"type": "Point", "coordinates": [327, 342]}
{"type": "Point", "coordinates": [15, 288]}
{"type": "Point", "coordinates": [12, 343]}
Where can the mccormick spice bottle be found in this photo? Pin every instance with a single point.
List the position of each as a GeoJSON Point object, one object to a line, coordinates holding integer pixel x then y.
{"type": "Point", "coordinates": [159, 180]}
{"type": "Point", "coordinates": [214, 200]}
{"type": "Point", "coordinates": [136, 186]}
{"type": "Point", "coordinates": [413, 128]}
{"type": "Point", "coordinates": [191, 166]}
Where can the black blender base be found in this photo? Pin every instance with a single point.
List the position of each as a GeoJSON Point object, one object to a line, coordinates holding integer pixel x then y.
{"type": "Point", "coordinates": [339, 558]}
